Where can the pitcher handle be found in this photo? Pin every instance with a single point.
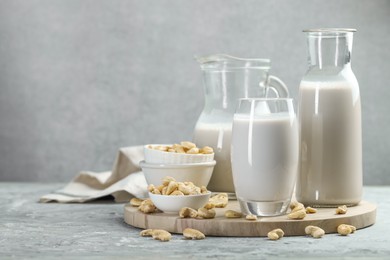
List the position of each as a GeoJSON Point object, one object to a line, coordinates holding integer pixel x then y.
{"type": "Point", "coordinates": [278, 86]}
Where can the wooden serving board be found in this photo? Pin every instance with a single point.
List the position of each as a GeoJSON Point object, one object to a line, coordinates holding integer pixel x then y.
{"type": "Point", "coordinates": [360, 216]}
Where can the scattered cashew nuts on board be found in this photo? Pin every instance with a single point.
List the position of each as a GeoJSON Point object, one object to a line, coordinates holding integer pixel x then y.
{"type": "Point", "coordinates": [251, 217]}
{"type": "Point", "coordinates": [345, 229]}
{"type": "Point", "coordinates": [187, 212]}
{"type": "Point", "coordinates": [299, 214]}
{"type": "Point", "coordinates": [233, 214]}
{"type": "Point", "coordinates": [136, 202]}
{"type": "Point", "coordinates": [342, 209]}
{"type": "Point", "coordinates": [206, 213]}
{"type": "Point", "coordinates": [314, 231]}
{"type": "Point", "coordinates": [219, 200]}
{"type": "Point", "coordinates": [310, 210]}
{"type": "Point", "coordinates": [298, 211]}
{"type": "Point", "coordinates": [275, 234]}
{"type": "Point", "coordinates": [147, 206]}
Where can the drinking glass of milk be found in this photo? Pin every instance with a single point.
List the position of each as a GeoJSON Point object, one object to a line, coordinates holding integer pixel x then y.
{"type": "Point", "coordinates": [264, 154]}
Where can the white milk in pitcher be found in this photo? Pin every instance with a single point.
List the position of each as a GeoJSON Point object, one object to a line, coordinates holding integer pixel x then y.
{"type": "Point", "coordinates": [217, 136]}
{"type": "Point", "coordinates": [265, 157]}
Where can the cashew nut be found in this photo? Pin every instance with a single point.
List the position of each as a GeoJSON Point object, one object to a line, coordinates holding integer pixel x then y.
{"type": "Point", "coordinates": [310, 210]}
{"type": "Point", "coordinates": [209, 206]}
{"type": "Point", "coordinates": [220, 200]}
{"type": "Point", "coordinates": [151, 187]}
{"type": "Point", "coordinates": [203, 190]}
{"type": "Point", "coordinates": [164, 190]}
{"type": "Point", "coordinates": [183, 147]}
{"type": "Point", "coordinates": [179, 149]}
{"type": "Point", "coordinates": [161, 235]}
{"type": "Point", "coordinates": [314, 231]}
{"type": "Point", "coordinates": [206, 213]}
{"type": "Point", "coordinates": [295, 206]}
{"type": "Point", "coordinates": [188, 145]}
{"type": "Point", "coordinates": [186, 189]}
{"type": "Point", "coordinates": [299, 214]}
{"type": "Point", "coordinates": [147, 206]}
{"type": "Point", "coordinates": [341, 210]}
{"type": "Point", "coordinates": [188, 212]}
{"type": "Point", "coordinates": [194, 150]}
{"type": "Point", "coordinates": [177, 193]}
{"type": "Point", "coordinates": [156, 191]}
{"type": "Point", "coordinates": [233, 214]}
{"type": "Point", "coordinates": [136, 202]}
{"type": "Point", "coordinates": [275, 234]}
{"type": "Point", "coordinates": [206, 150]}
{"type": "Point", "coordinates": [251, 217]}
{"type": "Point", "coordinates": [146, 232]}
{"type": "Point", "coordinates": [167, 179]}
{"type": "Point", "coordinates": [345, 229]}
{"type": "Point", "coordinates": [172, 186]}
{"type": "Point", "coordinates": [190, 233]}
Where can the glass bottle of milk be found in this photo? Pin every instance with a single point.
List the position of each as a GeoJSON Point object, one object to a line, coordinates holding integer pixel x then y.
{"type": "Point", "coordinates": [226, 79]}
{"type": "Point", "coordinates": [329, 111]}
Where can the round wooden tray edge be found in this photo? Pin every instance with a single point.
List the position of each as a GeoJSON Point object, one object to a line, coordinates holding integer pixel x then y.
{"type": "Point", "coordinates": [361, 216]}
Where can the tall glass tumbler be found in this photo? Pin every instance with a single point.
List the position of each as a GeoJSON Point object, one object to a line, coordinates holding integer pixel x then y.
{"type": "Point", "coordinates": [264, 155]}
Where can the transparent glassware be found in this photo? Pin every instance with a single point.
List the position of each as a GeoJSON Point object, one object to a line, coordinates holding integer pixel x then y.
{"type": "Point", "coordinates": [226, 79]}
{"type": "Point", "coordinates": [264, 155]}
{"type": "Point", "coordinates": [329, 111]}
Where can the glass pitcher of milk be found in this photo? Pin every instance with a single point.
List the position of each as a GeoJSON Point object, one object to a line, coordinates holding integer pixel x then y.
{"type": "Point", "coordinates": [226, 79]}
{"type": "Point", "coordinates": [330, 167]}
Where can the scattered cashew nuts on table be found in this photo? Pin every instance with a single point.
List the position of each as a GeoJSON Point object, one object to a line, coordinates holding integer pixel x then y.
{"type": "Point", "coordinates": [158, 234]}
{"type": "Point", "coordinates": [275, 234]}
{"type": "Point", "coordinates": [161, 235]}
{"type": "Point", "coordinates": [191, 233]}
{"type": "Point", "coordinates": [314, 231]}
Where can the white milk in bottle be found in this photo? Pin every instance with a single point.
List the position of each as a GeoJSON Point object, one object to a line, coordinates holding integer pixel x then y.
{"type": "Point", "coordinates": [330, 165]}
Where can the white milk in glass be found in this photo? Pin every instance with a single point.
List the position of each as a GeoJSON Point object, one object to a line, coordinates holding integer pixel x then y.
{"type": "Point", "coordinates": [264, 156]}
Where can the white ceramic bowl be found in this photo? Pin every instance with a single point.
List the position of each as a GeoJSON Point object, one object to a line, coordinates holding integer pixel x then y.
{"type": "Point", "coordinates": [157, 156]}
{"type": "Point", "coordinates": [198, 173]}
{"type": "Point", "coordinates": [173, 204]}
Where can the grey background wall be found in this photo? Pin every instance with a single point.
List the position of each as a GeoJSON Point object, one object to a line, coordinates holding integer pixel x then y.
{"type": "Point", "coordinates": [79, 79]}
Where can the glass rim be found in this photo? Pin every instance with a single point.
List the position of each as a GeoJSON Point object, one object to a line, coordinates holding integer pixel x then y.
{"type": "Point", "coordinates": [265, 99]}
{"type": "Point", "coordinates": [330, 30]}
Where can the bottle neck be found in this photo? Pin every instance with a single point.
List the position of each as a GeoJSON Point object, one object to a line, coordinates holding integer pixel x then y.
{"type": "Point", "coordinates": [330, 50]}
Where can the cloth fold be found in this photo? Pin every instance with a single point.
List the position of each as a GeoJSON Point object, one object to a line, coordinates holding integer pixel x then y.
{"type": "Point", "coordinates": [123, 182]}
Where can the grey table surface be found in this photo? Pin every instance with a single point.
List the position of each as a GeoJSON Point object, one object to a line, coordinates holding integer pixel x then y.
{"type": "Point", "coordinates": [96, 230]}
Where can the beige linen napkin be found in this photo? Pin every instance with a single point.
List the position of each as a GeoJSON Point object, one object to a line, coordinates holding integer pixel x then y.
{"type": "Point", "coordinates": [123, 182]}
